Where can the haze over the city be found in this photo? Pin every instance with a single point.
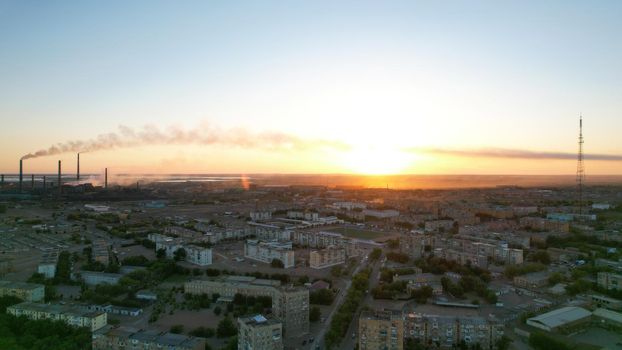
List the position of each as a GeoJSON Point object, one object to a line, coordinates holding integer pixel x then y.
{"type": "Point", "coordinates": [311, 87]}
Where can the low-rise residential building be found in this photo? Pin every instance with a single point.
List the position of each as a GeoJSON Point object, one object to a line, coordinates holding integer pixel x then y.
{"type": "Point", "coordinates": [258, 332]}
{"type": "Point", "coordinates": [420, 280]}
{"type": "Point", "coordinates": [381, 330]}
{"type": "Point", "coordinates": [290, 305]}
{"type": "Point", "coordinates": [198, 255]}
{"type": "Point", "coordinates": [71, 314]}
{"type": "Point", "coordinates": [324, 239]}
{"type": "Point", "coordinates": [303, 215]}
{"type": "Point", "coordinates": [25, 291]}
{"type": "Point", "coordinates": [605, 302]}
{"type": "Point", "coordinates": [319, 259]}
{"type": "Point", "coordinates": [542, 224]}
{"type": "Point", "coordinates": [47, 265]}
{"type": "Point", "coordinates": [100, 251]}
{"type": "Point", "coordinates": [260, 215]}
{"type": "Point", "coordinates": [268, 251]}
{"type": "Point", "coordinates": [609, 280]}
{"type": "Point", "coordinates": [93, 278]}
{"type": "Point", "coordinates": [533, 281]}
{"type": "Point", "coordinates": [126, 338]}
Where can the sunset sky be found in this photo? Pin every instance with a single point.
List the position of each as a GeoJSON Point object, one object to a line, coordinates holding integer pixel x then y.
{"type": "Point", "coordinates": [421, 87]}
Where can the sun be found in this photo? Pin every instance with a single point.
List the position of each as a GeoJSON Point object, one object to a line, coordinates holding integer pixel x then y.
{"type": "Point", "coordinates": [375, 161]}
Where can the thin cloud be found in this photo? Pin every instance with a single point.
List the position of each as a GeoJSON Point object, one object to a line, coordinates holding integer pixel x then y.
{"type": "Point", "coordinates": [512, 154]}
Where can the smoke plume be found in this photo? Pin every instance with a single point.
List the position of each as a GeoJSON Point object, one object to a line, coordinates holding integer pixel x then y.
{"type": "Point", "coordinates": [513, 154]}
{"type": "Point", "coordinates": [203, 135]}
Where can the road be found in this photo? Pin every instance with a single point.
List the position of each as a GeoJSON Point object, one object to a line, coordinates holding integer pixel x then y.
{"type": "Point", "coordinates": [348, 342]}
{"type": "Point", "coordinates": [319, 339]}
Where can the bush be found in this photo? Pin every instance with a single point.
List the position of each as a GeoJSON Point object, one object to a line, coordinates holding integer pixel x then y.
{"type": "Point", "coordinates": [226, 328]}
{"type": "Point", "coordinates": [277, 263]}
{"type": "Point", "coordinates": [322, 297]}
{"type": "Point", "coordinates": [177, 329]}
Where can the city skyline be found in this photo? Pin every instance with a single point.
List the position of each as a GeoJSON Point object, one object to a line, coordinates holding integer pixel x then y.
{"type": "Point", "coordinates": [354, 88]}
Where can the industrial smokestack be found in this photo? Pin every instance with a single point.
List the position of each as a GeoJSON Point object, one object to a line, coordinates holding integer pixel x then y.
{"type": "Point", "coordinates": [21, 174]}
{"type": "Point", "coordinates": [32, 181]}
{"type": "Point", "coordinates": [60, 186]}
{"type": "Point", "coordinates": [78, 172]}
{"type": "Point", "coordinates": [2, 182]}
{"type": "Point", "coordinates": [106, 178]}
{"type": "Point", "coordinates": [44, 183]}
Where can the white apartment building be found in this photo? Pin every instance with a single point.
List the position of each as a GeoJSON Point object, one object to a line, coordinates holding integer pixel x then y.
{"type": "Point", "coordinates": [267, 251]}
{"type": "Point", "coordinates": [331, 256]}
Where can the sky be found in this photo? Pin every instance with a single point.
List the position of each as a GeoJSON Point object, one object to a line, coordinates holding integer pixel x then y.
{"type": "Point", "coordinates": [373, 87]}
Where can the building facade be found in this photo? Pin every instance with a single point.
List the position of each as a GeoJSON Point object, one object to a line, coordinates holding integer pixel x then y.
{"type": "Point", "coordinates": [25, 291]}
{"type": "Point", "coordinates": [268, 251]}
{"type": "Point", "coordinates": [319, 259]}
{"type": "Point", "coordinates": [381, 330]}
{"type": "Point", "coordinates": [290, 305]}
{"type": "Point", "coordinates": [72, 315]}
{"type": "Point", "coordinates": [258, 332]}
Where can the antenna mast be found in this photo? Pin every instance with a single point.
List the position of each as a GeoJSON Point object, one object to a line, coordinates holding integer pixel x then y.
{"type": "Point", "coordinates": [580, 166]}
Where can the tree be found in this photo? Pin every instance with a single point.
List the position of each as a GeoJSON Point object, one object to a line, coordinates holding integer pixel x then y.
{"type": "Point", "coordinates": [177, 329]}
{"type": "Point", "coordinates": [217, 310]}
{"type": "Point", "coordinates": [322, 297]}
{"type": "Point", "coordinates": [375, 254]}
{"type": "Point", "coordinates": [315, 314]}
{"type": "Point", "coordinates": [180, 254]}
{"type": "Point", "coordinates": [277, 263]}
{"type": "Point", "coordinates": [226, 328]}
{"type": "Point", "coordinates": [161, 253]}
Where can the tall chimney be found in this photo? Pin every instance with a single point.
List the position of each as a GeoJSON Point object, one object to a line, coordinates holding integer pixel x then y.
{"type": "Point", "coordinates": [2, 181]}
{"type": "Point", "coordinates": [106, 178]}
{"type": "Point", "coordinates": [21, 174]}
{"type": "Point", "coordinates": [44, 183]}
{"type": "Point", "coordinates": [60, 185]}
{"type": "Point", "coordinates": [32, 181]}
{"type": "Point", "coordinates": [78, 172]}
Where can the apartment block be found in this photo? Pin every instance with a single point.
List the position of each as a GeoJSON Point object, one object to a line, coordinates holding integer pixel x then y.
{"type": "Point", "coordinates": [268, 251]}
{"type": "Point", "coordinates": [198, 255]}
{"type": "Point", "coordinates": [70, 314]}
{"type": "Point", "coordinates": [324, 239]}
{"type": "Point", "coordinates": [381, 330]}
{"type": "Point", "coordinates": [609, 280]}
{"type": "Point", "coordinates": [25, 291]}
{"type": "Point", "coordinates": [258, 332]}
{"type": "Point", "coordinates": [268, 232]}
{"type": "Point", "coordinates": [47, 265]}
{"type": "Point", "coordinates": [290, 305]}
{"type": "Point", "coordinates": [93, 278]}
{"type": "Point", "coordinates": [319, 259]}
{"type": "Point", "coordinates": [449, 331]}
{"type": "Point", "coordinates": [100, 251]}
{"type": "Point", "coordinates": [128, 338]}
